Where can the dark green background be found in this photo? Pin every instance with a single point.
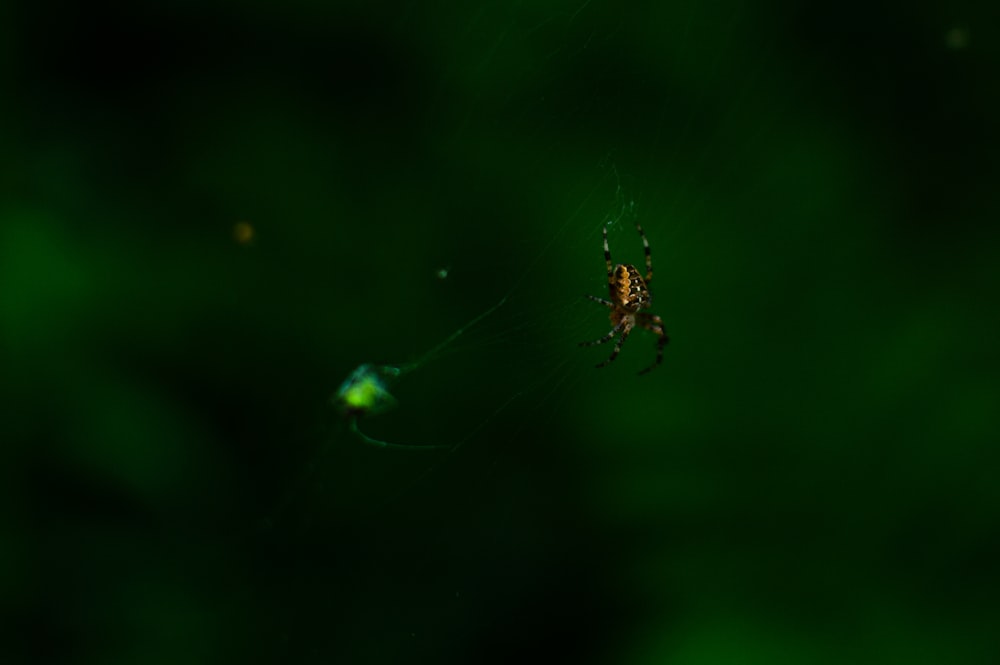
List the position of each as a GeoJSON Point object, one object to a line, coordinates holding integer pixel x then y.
{"type": "Point", "coordinates": [810, 477]}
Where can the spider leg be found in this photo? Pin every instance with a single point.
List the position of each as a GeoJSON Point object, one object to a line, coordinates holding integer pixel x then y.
{"type": "Point", "coordinates": [607, 255]}
{"type": "Point", "coordinates": [645, 247]}
{"type": "Point", "coordinates": [654, 324]}
{"type": "Point", "coordinates": [606, 338]}
{"type": "Point", "coordinates": [606, 303]}
{"type": "Point", "coordinates": [618, 346]}
{"type": "Point", "coordinates": [607, 263]}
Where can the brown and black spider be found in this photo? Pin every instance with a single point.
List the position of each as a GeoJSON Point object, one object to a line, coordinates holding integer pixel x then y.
{"type": "Point", "coordinates": [629, 293]}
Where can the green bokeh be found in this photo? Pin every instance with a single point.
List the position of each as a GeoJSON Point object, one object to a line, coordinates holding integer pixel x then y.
{"type": "Point", "coordinates": [809, 477]}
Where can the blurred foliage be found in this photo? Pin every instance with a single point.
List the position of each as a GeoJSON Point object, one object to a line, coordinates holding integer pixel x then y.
{"type": "Point", "coordinates": [211, 213]}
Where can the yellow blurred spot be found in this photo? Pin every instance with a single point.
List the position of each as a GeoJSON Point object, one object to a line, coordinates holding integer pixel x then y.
{"type": "Point", "coordinates": [243, 233]}
{"type": "Point", "coordinates": [956, 38]}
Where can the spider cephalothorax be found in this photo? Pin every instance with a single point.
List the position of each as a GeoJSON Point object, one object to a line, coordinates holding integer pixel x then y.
{"type": "Point", "coordinates": [629, 292]}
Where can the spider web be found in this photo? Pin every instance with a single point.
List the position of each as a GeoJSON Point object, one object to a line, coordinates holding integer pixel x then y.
{"type": "Point", "coordinates": [539, 250]}
{"type": "Point", "coordinates": [511, 219]}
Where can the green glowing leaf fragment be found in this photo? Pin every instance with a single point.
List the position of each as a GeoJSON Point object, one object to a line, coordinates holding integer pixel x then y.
{"type": "Point", "coordinates": [364, 392]}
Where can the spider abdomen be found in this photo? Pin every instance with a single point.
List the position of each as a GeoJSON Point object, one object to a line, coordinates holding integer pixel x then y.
{"type": "Point", "coordinates": [629, 289]}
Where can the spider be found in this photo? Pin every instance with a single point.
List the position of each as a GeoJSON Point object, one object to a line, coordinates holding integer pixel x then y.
{"type": "Point", "coordinates": [629, 293]}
